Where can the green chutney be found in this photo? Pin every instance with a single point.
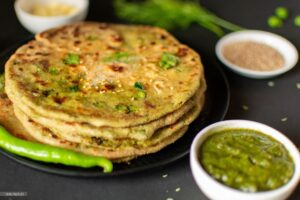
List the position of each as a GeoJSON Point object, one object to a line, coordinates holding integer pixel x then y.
{"type": "Point", "coordinates": [246, 160]}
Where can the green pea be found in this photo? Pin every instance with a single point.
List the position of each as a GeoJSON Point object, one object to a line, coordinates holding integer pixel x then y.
{"type": "Point", "coordinates": [168, 61]}
{"type": "Point", "coordinates": [297, 20]}
{"type": "Point", "coordinates": [72, 59]}
{"type": "Point", "coordinates": [92, 37]}
{"type": "Point", "coordinates": [274, 22]}
{"type": "Point", "coordinates": [140, 95]}
{"type": "Point", "coordinates": [122, 108]}
{"type": "Point", "coordinates": [132, 108]}
{"type": "Point", "coordinates": [282, 12]}
{"type": "Point", "coordinates": [53, 70]}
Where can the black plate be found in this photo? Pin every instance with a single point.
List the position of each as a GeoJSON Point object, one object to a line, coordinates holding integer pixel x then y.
{"type": "Point", "coordinates": [215, 108]}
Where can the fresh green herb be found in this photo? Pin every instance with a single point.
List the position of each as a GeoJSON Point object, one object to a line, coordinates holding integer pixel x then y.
{"type": "Point", "coordinates": [72, 59]}
{"type": "Point", "coordinates": [140, 95]}
{"type": "Point", "coordinates": [117, 57]}
{"type": "Point", "coordinates": [170, 14]}
{"type": "Point", "coordinates": [282, 12]}
{"type": "Point", "coordinates": [168, 61]}
{"type": "Point", "coordinates": [123, 108]}
{"type": "Point", "coordinates": [297, 20]}
{"type": "Point", "coordinates": [92, 38]}
{"type": "Point", "coordinates": [2, 82]}
{"type": "Point", "coordinates": [53, 70]}
{"type": "Point", "coordinates": [139, 86]}
{"type": "Point", "coordinates": [274, 22]}
{"type": "Point", "coordinates": [51, 154]}
{"type": "Point", "coordinates": [74, 88]}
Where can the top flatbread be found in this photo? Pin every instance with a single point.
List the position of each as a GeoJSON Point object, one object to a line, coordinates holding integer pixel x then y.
{"type": "Point", "coordinates": [87, 73]}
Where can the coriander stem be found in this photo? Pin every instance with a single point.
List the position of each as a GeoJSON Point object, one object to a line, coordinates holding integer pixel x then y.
{"type": "Point", "coordinates": [225, 24]}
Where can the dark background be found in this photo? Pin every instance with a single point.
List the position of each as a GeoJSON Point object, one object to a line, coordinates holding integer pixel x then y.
{"type": "Point", "coordinates": [266, 104]}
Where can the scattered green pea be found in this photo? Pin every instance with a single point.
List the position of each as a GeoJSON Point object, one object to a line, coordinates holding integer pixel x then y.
{"type": "Point", "coordinates": [282, 12]}
{"type": "Point", "coordinates": [168, 61]}
{"type": "Point", "coordinates": [72, 59]}
{"type": "Point", "coordinates": [122, 108]}
{"type": "Point", "coordinates": [92, 38]}
{"type": "Point", "coordinates": [117, 57]}
{"type": "Point", "coordinates": [297, 20]}
{"type": "Point", "coordinates": [53, 71]}
{"type": "Point", "coordinates": [132, 108]}
{"type": "Point", "coordinates": [274, 22]}
{"type": "Point", "coordinates": [140, 95]}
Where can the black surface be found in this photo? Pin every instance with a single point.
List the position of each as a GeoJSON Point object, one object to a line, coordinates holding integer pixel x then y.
{"type": "Point", "coordinates": [217, 101]}
{"type": "Point", "coordinates": [266, 104]}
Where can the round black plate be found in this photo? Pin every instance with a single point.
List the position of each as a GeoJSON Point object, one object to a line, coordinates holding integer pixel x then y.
{"type": "Point", "coordinates": [215, 108]}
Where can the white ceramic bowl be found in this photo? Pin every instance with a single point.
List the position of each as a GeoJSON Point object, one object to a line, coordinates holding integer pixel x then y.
{"type": "Point", "coordinates": [36, 24]}
{"type": "Point", "coordinates": [217, 191]}
{"type": "Point", "coordinates": [282, 45]}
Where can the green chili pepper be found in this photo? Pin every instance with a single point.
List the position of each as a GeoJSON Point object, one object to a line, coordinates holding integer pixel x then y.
{"type": "Point", "coordinates": [50, 154]}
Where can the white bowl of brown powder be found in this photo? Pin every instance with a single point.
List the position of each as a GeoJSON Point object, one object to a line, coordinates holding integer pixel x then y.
{"type": "Point", "coordinates": [257, 54]}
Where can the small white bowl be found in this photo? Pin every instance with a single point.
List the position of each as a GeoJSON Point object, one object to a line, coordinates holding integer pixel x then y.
{"type": "Point", "coordinates": [218, 191]}
{"type": "Point", "coordinates": [282, 45]}
{"type": "Point", "coordinates": [36, 24]}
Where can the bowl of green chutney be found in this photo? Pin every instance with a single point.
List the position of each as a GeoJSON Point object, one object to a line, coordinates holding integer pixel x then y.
{"type": "Point", "coordinates": [241, 159]}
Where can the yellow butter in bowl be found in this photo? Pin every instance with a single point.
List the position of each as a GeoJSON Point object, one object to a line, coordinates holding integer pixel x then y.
{"type": "Point", "coordinates": [52, 9]}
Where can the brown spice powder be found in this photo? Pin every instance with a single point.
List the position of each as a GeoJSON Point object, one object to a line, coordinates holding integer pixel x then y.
{"type": "Point", "coordinates": [253, 55]}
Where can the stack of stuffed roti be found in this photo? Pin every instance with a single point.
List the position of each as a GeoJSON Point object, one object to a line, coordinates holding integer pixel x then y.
{"type": "Point", "coordinates": [107, 90]}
